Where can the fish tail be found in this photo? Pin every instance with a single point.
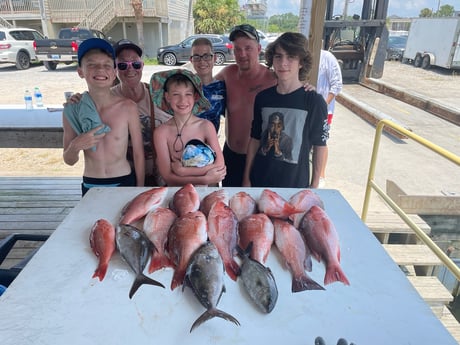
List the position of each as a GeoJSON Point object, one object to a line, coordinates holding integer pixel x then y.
{"type": "Point", "coordinates": [177, 279]}
{"type": "Point", "coordinates": [140, 280]}
{"type": "Point", "coordinates": [334, 273]}
{"type": "Point", "coordinates": [211, 313]}
{"type": "Point", "coordinates": [303, 283]}
{"type": "Point", "coordinates": [158, 262]}
{"type": "Point", "coordinates": [290, 209]}
{"type": "Point", "coordinates": [100, 271]}
{"type": "Point", "coordinates": [233, 269]}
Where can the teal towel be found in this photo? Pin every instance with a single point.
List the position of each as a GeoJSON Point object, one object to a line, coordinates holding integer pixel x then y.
{"type": "Point", "coordinates": [83, 116]}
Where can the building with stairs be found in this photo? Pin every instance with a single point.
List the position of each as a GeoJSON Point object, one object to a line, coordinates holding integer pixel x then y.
{"type": "Point", "coordinates": [161, 22]}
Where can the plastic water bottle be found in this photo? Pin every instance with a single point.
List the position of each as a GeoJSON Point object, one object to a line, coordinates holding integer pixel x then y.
{"type": "Point", "coordinates": [28, 100]}
{"type": "Point", "coordinates": [38, 97]}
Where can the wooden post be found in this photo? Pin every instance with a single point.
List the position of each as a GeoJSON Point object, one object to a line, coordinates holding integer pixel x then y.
{"type": "Point", "coordinates": [313, 12]}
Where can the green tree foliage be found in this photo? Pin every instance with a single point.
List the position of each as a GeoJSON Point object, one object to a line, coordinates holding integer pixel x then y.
{"type": "Point", "coordinates": [426, 12]}
{"type": "Point", "coordinates": [445, 11]}
{"type": "Point", "coordinates": [283, 22]}
{"type": "Point", "coordinates": [216, 16]}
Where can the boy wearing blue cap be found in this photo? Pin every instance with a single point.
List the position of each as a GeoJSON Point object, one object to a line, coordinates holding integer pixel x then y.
{"type": "Point", "coordinates": [101, 123]}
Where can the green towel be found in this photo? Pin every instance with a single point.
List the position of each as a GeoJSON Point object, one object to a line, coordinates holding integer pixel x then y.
{"type": "Point", "coordinates": [83, 116]}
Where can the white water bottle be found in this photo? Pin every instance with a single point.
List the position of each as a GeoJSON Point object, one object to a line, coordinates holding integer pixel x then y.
{"type": "Point", "coordinates": [38, 97]}
{"type": "Point", "coordinates": [28, 100]}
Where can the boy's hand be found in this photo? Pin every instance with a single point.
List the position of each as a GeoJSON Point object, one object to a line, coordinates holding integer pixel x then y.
{"type": "Point", "coordinates": [75, 98]}
{"type": "Point", "coordinates": [309, 87]}
{"type": "Point", "coordinates": [217, 174]}
{"type": "Point", "coordinates": [89, 139]}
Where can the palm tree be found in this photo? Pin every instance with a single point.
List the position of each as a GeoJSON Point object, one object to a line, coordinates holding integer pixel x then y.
{"type": "Point", "coordinates": [139, 15]}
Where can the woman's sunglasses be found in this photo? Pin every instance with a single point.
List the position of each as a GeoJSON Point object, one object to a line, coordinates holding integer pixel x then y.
{"type": "Point", "coordinates": [122, 66]}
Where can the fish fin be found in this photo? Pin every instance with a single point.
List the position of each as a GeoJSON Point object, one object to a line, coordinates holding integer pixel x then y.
{"type": "Point", "coordinates": [233, 269]}
{"type": "Point", "coordinates": [211, 313]}
{"type": "Point", "coordinates": [100, 271]}
{"type": "Point", "coordinates": [334, 273]}
{"type": "Point", "coordinates": [304, 283]}
{"type": "Point", "coordinates": [140, 280]}
{"type": "Point", "coordinates": [159, 262]}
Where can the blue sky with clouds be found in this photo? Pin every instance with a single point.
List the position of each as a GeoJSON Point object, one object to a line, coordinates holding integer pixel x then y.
{"type": "Point", "coordinates": [402, 8]}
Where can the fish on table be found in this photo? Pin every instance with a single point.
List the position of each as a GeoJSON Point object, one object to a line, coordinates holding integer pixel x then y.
{"type": "Point", "coordinates": [186, 199]}
{"type": "Point", "coordinates": [102, 241]}
{"type": "Point", "coordinates": [243, 205]}
{"type": "Point", "coordinates": [135, 249]}
{"type": "Point", "coordinates": [205, 276]}
{"type": "Point", "coordinates": [275, 206]}
{"type": "Point", "coordinates": [258, 281]}
{"type": "Point", "coordinates": [303, 200]}
{"type": "Point", "coordinates": [157, 224]}
{"type": "Point", "coordinates": [258, 229]}
{"type": "Point", "coordinates": [186, 235]}
{"type": "Point", "coordinates": [323, 240]}
{"type": "Point", "coordinates": [223, 232]}
{"type": "Point", "coordinates": [141, 204]}
{"type": "Point", "coordinates": [291, 245]}
{"type": "Point", "coordinates": [210, 199]}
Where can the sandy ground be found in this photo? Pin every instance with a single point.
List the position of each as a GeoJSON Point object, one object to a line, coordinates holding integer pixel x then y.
{"type": "Point", "coordinates": [48, 162]}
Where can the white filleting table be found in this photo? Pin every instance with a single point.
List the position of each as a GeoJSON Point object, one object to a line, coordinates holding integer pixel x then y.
{"type": "Point", "coordinates": [55, 301]}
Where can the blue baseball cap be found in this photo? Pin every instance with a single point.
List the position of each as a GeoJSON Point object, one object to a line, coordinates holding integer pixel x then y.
{"type": "Point", "coordinates": [94, 43]}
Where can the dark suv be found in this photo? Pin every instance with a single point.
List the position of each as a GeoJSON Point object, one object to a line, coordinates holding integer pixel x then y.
{"type": "Point", "coordinates": [180, 53]}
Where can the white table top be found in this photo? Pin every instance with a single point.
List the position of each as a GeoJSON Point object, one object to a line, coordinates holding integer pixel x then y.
{"type": "Point", "coordinates": [16, 116]}
{"type": "Point", "coordinates": [55, 301]}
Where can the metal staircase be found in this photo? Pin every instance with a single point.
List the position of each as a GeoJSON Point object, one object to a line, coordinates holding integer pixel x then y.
{"type": "Point", "coordinates": [103, 17]}
{"type": "Point", "coordinates": [4, 23]}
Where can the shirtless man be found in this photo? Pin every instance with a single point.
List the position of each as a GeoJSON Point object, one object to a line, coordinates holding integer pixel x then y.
{"type": "Point", "coordinates": [104, 153]}
{"type": "Point", "coordinates": [243, 81]}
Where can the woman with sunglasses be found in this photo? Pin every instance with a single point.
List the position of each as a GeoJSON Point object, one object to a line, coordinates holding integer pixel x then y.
{"type": "Point", "coordinates": [129, 71]}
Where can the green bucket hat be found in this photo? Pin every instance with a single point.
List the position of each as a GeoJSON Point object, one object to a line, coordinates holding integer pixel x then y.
{"type": "Point", "coordinates": [158, 81]}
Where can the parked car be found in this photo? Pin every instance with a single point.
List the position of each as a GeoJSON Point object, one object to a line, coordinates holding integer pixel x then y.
{"type": "Point", "coordinates": [64, 49]}
{"type": "Point", "coordinates": [16, 46]}
{"type": "Point", "coordinates": [395, 47]}
{"type": "Point", "coordinates": [180, 53]}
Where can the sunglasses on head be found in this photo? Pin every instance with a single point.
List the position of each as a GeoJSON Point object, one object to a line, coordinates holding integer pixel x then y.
{"type": "Point", "coordinates": [122, 66]}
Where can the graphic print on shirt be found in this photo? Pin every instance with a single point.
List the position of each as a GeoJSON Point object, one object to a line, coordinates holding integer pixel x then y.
{"type": "Point", "coordinates": [282, 130]}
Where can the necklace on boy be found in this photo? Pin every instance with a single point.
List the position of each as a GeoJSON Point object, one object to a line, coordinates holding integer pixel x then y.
{"type": "Point", "coordinates": [179, 134]}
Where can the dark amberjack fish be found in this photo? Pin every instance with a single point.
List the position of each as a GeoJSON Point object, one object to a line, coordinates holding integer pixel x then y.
{"type": "Point", "coordinates": [135, 249]}
{"type": "Point", "coordinates": [322, 239]}
{"type": "Point", "coordinates": [274, 205]}
{"type": "Point", "coordinates": [156, 226]}
{"type": "Point", "coordinates": [223, 232]}
{"type": "Point", "coordinates": [141, 204]}
{"type": "Point", "coordinates": [102, 241]}
{"type": "Point", "coordinates": [186, 235]}
{"type": "Point", "coordinates": [291, 245]}
{"type": "Point", "coordinates": [185, 200]}
{"type": "Point", "coordinates": [258, 282]}
{"type": "Point", "coordinates": [205, 276]}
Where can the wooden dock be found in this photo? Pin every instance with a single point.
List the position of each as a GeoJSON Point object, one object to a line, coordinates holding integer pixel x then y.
{"type": "Point", "coordinates": [34, 205]}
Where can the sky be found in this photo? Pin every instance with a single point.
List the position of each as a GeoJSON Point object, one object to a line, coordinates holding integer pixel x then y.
{"type": "Point", "coordinates": [401, 8]}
